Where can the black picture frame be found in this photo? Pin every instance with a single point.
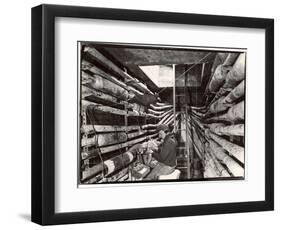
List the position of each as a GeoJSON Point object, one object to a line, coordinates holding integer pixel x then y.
{"type": "Point", "coordinates": [43, 114]}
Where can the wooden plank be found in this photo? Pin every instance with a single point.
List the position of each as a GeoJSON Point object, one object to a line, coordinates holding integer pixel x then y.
{"type": "Point", "coordinates": [156, 56]}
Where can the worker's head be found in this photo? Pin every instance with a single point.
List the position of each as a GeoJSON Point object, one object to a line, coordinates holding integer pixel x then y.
{"type": "Point", "coordinates": [162, 130]}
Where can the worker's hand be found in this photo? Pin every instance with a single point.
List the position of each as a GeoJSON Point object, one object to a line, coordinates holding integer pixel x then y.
{"type": "Point", "coordinates": [155, 143]}
{"type": "Point", "coordinates": [158, 142]}
{"type": "Point", "coordinates": [152, 145]}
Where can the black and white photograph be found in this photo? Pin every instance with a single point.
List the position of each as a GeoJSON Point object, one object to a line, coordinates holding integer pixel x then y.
{"type": "Point", "coordinates": [140, 114]}
{"type": "Point", "coordinates": [153, 113]}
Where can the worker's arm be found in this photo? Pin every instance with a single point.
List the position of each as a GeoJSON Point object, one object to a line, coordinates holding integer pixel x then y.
{"type": "Point", "coordinates": [136, 149]}
{"type": "Point", "coordinates": [157, 156]}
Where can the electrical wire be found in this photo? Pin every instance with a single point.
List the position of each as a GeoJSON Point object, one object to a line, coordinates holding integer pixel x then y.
{"type": "Point", "coordinates": [208, 54]}
{"type": "Point", "coordinates": [97, 147]}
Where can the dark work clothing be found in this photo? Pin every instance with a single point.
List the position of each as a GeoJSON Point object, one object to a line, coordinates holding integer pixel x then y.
{"type": "Point", "coordinates": [158, 170]}
{"type": "Point", "coordinates": [167, 151]}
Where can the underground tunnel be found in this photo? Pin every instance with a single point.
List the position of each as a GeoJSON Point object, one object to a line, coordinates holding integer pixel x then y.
{"type": "Point", "coordinates": [160, 113]}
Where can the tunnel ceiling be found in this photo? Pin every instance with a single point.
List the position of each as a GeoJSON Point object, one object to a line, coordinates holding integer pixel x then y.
{"type": "Point", "coordinates": [133, 59]}
{"type": "Point", "coordinates": [142, 57]}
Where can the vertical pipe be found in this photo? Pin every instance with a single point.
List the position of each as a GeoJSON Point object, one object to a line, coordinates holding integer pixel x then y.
{"type": "Point", "coordinates": [126, 131]}
{"type": "Point", "coordinates": [186, 144]}
{"type": "Point", "coordinates": [126, 122]}
{"type": "Point", "coordinates": [202, 71]}
{"type": "Point", "coordinates": [187, 135]}
{"type": "Point", "coordinates": [174, 96]}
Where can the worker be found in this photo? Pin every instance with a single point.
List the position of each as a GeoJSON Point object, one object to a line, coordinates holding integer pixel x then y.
{"type": "Point", "coordinates": [145, 150]}
{"type": "Point", "coordinates": [151, 146]}
{"type": "Point", "coordinates": [166, 154]}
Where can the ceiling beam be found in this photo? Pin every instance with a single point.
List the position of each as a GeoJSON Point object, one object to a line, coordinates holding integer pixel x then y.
{"type": "Point", "coordinates": [143, 57]}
